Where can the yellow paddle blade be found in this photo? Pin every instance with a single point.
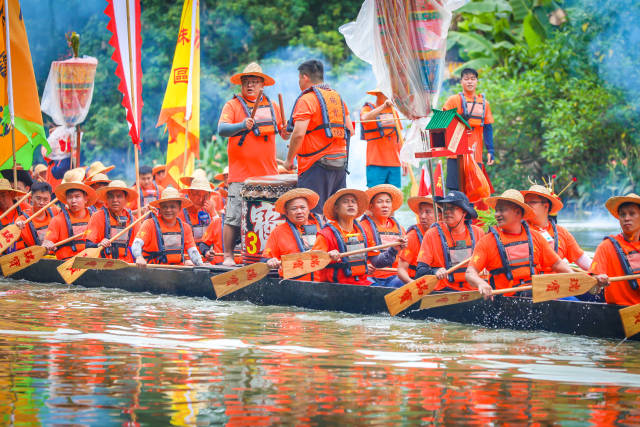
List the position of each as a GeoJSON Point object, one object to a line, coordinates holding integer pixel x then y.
{"type": "Point", "coordinates": [231, 281]}
{"type": "Point", "coordinates": [406, 295]}
{"type": "Point", "coordinates": [449, 298]}
{"type": "Point", "coordinates": [553, 286]}
{"type": "Point", "coordinates": [294, 265]}
{"type": "Point", "coordinates": [16, 261]}
{"type": "Point", "coordinates": [8, 236]}
{"type": "Point", "coordinates": [630, 317]}
{"type": "Point", "coordinates": [87, 263]}
{"type": "Point", "coordinates": [70, 274]}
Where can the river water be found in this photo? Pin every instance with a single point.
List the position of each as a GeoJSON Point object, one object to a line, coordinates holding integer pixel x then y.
{"type": "Point", "coordinates": [70, 355]}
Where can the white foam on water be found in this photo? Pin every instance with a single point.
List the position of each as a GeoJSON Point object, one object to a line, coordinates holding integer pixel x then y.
{"type": "Point", "coordinates": [424, 365]}
{"type": "Point", "coordinates": [293, 349]}
{"type": "Point", "coordinates": [393, 356]}
{"type": "Point", "coordinates": [579, 375]}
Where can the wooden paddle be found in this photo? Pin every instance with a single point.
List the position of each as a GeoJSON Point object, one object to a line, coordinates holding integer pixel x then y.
{"type": "Point", "coordinates": [282, 117]}
{"type": "Point", "coordinates": [11, 232]}
{"type": "Point", "coordinates": [19, 260]}
{"type": "Point", "coordinates": [22, 199]}
{"type": "Point", "coordinates": [87, 263]}
{"type": "Point", "coordinates": [257, 103]}
{"type": "Point", "coordinates": [231, 281]}
{"type": "Point", "coordinates": [408, 294]}
{"type": "Point", "coordinates": [301, 263]}
{"type": "Point", "coordinates": [70, 274]}
{"type": "Point", "coordinates": [553, 286]}
{"type": "Point", "coordinates": [448, 298]}
{"type": "Point", "coordinates": [630, 317]}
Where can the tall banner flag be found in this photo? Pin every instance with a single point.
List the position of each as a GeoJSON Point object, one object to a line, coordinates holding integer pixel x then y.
{"type": "Point", "coordinates": [181, 105]}
{"type": "Point", "coordinates": [124, 24]}
{"type": "Point", "coordinates": [19, 96]}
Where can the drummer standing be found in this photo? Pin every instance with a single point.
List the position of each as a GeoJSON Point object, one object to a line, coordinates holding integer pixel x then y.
{"type": "Point", "coordinates": [251, 148]}
{"type": "Point", "coordinates": [298, 232]}
{"type": "Point", "coordinates": [321, 130]}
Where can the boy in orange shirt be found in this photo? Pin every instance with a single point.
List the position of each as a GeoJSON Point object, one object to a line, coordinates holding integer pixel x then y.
{"type": "Point", "coordinates": [298, 232]}
{"type": "Point", "coordinates": [511, 252]}
{"type": "Point", "coordinates": [34, 233]}
{"type": "Point", "coordinates": [620, 255]}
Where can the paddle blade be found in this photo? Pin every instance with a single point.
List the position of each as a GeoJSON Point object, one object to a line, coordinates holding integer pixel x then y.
{"type": "Point", "coordinates": [405, 296]}
{"type": "Point", "coordinates": [231, 281]}
{"type": "Point", "coordinates": [630, 317]}
{"type": "Point", "coordinates": [16, 261]}
{"type": "Point", "coordinates": [70, 274]}
{"type": "Point", "coordinates": [294, 265]}
{"type": "Point", "coordinates": [553, 286]}
{"type": "Point", "coordinates": [8, 236]}
{"type": "Point", "coordinates": [98, 263]}
{"type": "Point", "coordinates": [449, 298]}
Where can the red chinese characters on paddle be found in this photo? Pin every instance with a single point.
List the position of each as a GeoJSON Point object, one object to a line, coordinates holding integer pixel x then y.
{"type": "Point", "coordinates": [423, 287]}
{"type": "Point", "coordinates": [637, 319]}
{"type": "Point", "coordinates": [574, 285]}
{"type": "Point", "coordinates": [315, 261]}
{"type": "Point", "coordinates": [298, 264]}
{"type": "Point", "coordinates": [463, 297]}
{"type": "Point", "coordinates": [15, 262]}
{"type": "Point", "coordinates": [29, 257]}
{"type": "Point", "coordinates": [442, 300]}
{"type": "Point", "coordinates": [7, 236]}
{"type": "Point", "coordinates": [406, 296]}
{"type": "Point", "coordinates": [554, 287]}
{"type": "Point", "coordinates": [233, 281]}
{"type": "Point", "coordinates": [251, 274]}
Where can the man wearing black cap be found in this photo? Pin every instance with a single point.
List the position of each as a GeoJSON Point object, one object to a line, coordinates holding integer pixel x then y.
{"type": "Point", "coordinates": [450, 242]}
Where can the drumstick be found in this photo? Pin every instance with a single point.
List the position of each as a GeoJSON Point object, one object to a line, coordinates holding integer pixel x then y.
{"type": "Point", "coordinates": [281, 109]}
{"type": "Point", "coordinates": [255, 106]}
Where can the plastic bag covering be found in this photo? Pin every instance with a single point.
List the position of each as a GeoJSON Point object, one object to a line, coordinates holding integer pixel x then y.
{"type": "Point", "coordinates": [407, 55]}
{"type": "Point", "coordinates": [66, 98]}
{"type": "Point", "coordinates": [476, 185]}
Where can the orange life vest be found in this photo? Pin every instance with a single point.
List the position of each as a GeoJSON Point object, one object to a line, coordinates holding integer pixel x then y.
{"type": "Point", "coordinates": [384, 124]}
{"type": "Point", "coordinates": [265, 119]}
{"type": "Point", "coordinates": [169, 246]}
{"type": "Point", "coordinates": [456, 252]}
{"type": "Point", "coordinates": [516, 257]}
{"type": "Point", "coordinates": [630, 261]}
{"type": "Point", "coordinates": [474, 112]}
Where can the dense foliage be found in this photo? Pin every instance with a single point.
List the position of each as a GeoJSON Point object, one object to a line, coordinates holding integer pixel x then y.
{"type": "Point", "coordinates": [559, 74]}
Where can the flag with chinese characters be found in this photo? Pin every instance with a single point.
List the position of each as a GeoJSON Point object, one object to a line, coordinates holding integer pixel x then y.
{"type": "Point", "coordinates": [22, 96]}
{"type": "Point", "coordinates": [181, 104]}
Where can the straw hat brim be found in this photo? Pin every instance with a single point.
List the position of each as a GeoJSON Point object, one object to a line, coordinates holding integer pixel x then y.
{"type": "Point", "coordinates": [219, 177]}
{"type": "Point", "coordinates": [236, 78]}
{"type": "Point", "coordinates": [130, 194]}
{"type": "Point", "coordinates": [614, 203]}
{"type": "Point", "coordinates": [184, 203]}
{"type": "Point", "coordinates": [414, 202]}
{"type": "Point", "coordinates": [90, 182]}
{"type": "Point", "coordinates": [556, 203]}
{"type": "Point", "coordinates": [210, 190]}
{"type": "Point", "coordinates": [105, 170]}
{"type": "Point", "coordinates": [62, 189]}
{"type": "Point", "coordinates": [375, 92]}
{"type": "Point", "coordinates": [528, 212]}
{"type": "Point", "coordinates": [158, 169]}
{"type": "Point", "coordinates": [14, 193]}
{"type": "Point", "coordinates": [396, 195]}
{"type": "Point", "coordinates": [311, 196]}
{"type": "Point", "coordinates": [360, 196]}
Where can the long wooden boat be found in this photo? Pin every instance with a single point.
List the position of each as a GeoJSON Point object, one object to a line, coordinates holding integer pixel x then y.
{"type": "Point", "coordinates": [567, 317]}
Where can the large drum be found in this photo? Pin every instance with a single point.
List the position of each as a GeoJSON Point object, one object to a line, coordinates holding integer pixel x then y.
{"type": "Point", "coordinates": [259, 216]}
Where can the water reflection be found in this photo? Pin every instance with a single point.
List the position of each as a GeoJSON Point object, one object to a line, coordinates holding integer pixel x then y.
{"type": "Point", "coordinates": [77, 356]}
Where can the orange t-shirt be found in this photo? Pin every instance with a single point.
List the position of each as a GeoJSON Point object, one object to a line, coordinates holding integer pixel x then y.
{"type": "Point", "coordinates": [213, 237]}
{"type": "Point", "coordinates": [476, 137]}
{"type": "Point", "coordinates": [308, 108]}
{"type": "Point", "coordinates": [388, 227]}
{"type": "Point", "coordinates": [568, 248]}
{"type": "Point", "coordinates": [148, 193]}
{"type": "Point", "coordinates": [257, 154]}
{"type": "Point", "coordinates": [410, 253]}
{"type": "Point", "coordinates": [383, 151]}
{"type": "Point", "coordinates": [432, 255]}
{"type": "Point", "coordinates": [95, 232]}
{"type": "Point", "coordinates": [147, 234]}
{"type": "Point", "coordinates": [40, 226]}
{"type": "Point", "coordinates": [605, 261]}
{"type": "Point", "coordinates": [57, 231]}
{"type": "Point", "coordinates": [486, 255]}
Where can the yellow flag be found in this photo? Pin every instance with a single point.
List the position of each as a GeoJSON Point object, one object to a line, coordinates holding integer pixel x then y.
{"type": "Point", "coordinates": [26, 104]}
{"type": "Point", "coordinates": [183, 79]}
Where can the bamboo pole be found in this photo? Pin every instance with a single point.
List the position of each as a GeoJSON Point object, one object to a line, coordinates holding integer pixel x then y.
{"type": "Point", "coordinates": [7, 42]}
{"type": "Point", "coordinates": [133, 106]}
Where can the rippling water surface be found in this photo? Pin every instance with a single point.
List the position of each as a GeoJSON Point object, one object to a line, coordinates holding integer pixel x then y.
{"type": "Point", "coordinates": [70, 355]}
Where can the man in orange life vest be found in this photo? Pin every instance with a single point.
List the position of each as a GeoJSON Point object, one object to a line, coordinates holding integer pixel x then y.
{"type": "Point", "coordinates": [476, 111]}
{"type": "Point", "coordinates": [34, 233]}
{"type": "Point", "coordinates": [449, 242]}
{"type": "Point", "coordinates": [164, 239]}
{"type": "Point", "coordinates": [511, 252]}
{"type": "Point", "coordinates": [96, 182]}
{"type": "Point", "coordinates": [7, 196]}
{"type": "Point", "coordinates": [112, 218]}
{"type": "Point", "coordinates": [72, 219]}
{"type": "Point", "coordinates": [544, 204]}
{"type": "Point", "coordinates": [408, 257]}
{"type": "Point", "coordinates": [381, 227]}
{"type": "Point", "coordinates": [298, 232]}
{"type": "Point", "coordinates": [619, 255]}
{"type": "Point", "coordinates": [200, 214]}
{"type": "Point", "coordinates": [149, 189]}
{"type": "Point", "coordinates": [383, 143]}
{"type": "Point", "coordinates": [252, 144]}
{"type": "Point", "coordinates": [321, 129]}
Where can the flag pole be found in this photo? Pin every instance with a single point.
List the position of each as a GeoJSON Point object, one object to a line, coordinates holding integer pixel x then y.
{"type": "Point", "coordinates": [186, 146]}
{"type": "Point", "coordinates": [133, 106]}
{"type": "Point", "coordinates": [189, 102]}
{"type": "Point", "coordinates": [7, 42]}
{"type": "Point", "coordinates": [426, 140]}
